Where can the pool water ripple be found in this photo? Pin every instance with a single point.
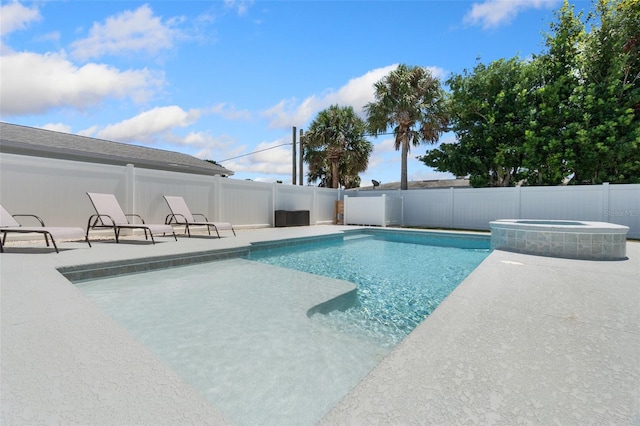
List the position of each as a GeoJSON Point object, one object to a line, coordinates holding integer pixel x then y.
{"type": "Point", "coordinates": [399, 284]}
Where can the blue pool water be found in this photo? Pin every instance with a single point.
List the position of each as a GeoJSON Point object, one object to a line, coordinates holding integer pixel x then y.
{"type": "Point", "coordinates": [401, 278]}
{"type": "Point", "coordinates": [238, 331]}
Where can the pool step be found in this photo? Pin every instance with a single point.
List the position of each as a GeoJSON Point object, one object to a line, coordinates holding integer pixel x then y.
{"type": "Point", "coordinates": [356, 237]}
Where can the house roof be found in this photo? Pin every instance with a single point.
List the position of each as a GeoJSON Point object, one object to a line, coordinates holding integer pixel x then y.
{"type": "Point", "coordinates": [22, 140]}
{"type": "Point", "coordinates": [423, 184]}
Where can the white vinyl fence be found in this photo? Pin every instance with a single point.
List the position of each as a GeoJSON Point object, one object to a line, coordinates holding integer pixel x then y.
{"type": "Point", "coordinates": [56, 190]}
{"type": "Point", "coordinates": [474, 208]}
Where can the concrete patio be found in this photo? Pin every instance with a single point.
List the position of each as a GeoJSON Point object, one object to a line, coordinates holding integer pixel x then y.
{"type": "Point", "coordinates": [523, 340]}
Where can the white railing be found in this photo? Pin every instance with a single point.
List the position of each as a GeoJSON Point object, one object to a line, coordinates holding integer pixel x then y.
{"type": "Point", "coordinates": [56, 190]}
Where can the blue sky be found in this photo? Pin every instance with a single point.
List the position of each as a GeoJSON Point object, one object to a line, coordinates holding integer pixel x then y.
{"type": "Point", "coordinates": [222, 79]}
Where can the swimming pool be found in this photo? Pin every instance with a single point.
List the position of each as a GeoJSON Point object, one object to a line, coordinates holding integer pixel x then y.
{"type": "Point", "coordinates": [401, 277]}
{"type": "Point", "coordinates": [252, 338]}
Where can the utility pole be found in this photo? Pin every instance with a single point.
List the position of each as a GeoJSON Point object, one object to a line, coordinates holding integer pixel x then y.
{"type": "Point", "coordinates": [293, 168]}
{"type": "Point", "coordinates": [301, 157]}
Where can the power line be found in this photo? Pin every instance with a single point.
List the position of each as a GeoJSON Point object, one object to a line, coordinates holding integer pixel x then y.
{"type": "Point", "coordinates": [256, 152]}
{"type": "Point", "coordinates": [278, 146]}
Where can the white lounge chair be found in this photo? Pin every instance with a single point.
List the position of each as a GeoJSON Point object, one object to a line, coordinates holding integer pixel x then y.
{"type": "Point", "coordinates": [109, 214]}
{"type": "Point", "coordinates": [181, 215]}
{"type": "Point", "coordinates": [8, 224]}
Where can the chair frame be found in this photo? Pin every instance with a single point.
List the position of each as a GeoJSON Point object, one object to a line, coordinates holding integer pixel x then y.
{"type": "Point", "coordinates": [172, 218]}
{"type": "Point", "coordinates": [46, 231]}
{"type": "Point", "coordinates": [180, 219]}
{"type": "Point", "coordinates": [98, 223]}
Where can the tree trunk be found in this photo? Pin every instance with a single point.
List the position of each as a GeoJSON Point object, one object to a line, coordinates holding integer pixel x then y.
{"type": "Point", "coordinates": [403, 168]}
{"type": "Point", "coordinates": [335, 176]}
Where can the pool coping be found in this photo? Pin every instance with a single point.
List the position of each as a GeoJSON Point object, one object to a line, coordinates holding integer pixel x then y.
{"type": "Point", "coordinates": [63, 360]}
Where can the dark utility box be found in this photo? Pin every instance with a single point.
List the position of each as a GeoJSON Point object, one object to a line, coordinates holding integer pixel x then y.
{"type": "Point", "coordinates": [291, 218]}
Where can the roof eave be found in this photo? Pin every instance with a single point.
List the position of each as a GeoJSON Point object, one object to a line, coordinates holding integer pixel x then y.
{"type": "Point", "coordinates": [11, 147]}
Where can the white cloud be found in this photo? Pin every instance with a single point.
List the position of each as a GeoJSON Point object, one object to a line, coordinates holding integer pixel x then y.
{"type": "Point", "coordinates": [14, 17]}
{"type": "Point", "coordinates": [274, 159]}
{"type": "Point", "coordinates": [33, 83]}
{"type": "Point", "coordinates": [385, 145]}
{"type": "Point", "coordinates": [229, 112]}
{"type": "Point", "coordinates": [146, 126]}
{"type": "Point", "coordinates": [129, 32]}
{"type": "Point", "coordinates": [241, 6]}
{"type": "Point", "coordinates": [493, 13]}
{"type": "Point", "coordinates": [209, 147]}
{"type": "Point", "coordinates": [57, 127]}
{"type": "Point", "coordinates": [356, 93]}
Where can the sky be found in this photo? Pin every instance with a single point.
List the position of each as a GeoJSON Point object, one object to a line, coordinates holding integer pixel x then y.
{"type": "Point", "coordinates": [228, 80]}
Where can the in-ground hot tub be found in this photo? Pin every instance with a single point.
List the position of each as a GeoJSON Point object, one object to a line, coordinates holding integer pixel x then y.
{"type": "Point", "coordinates": [561, 238]}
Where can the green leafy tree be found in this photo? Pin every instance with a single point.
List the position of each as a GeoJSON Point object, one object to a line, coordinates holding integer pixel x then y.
{"type": "Point", "coordinates": [609, 129]}
{"type": "Point", "coordinates": [571, 114]}
{"type": "Point", "coordinates": [335, 148]}
{"type": "Point", "coordinates": [489, 110]}
{"type": "Point", "coordinates": [411, 101]}
{"type": "Point", "coordinates": [552, 137]}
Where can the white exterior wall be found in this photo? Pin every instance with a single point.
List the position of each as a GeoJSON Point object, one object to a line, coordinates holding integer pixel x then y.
{"type": "Point", "coordinates": [56, 190]}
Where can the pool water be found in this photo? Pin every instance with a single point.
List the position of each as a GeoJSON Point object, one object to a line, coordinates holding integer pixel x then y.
{"type": "Point", "coordinates": [238, 330]}
{"type": "Point", "coordinates": [400, 280]}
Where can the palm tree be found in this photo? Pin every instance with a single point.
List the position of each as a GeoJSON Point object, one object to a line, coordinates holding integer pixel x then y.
{"type": "Point", "coordinates": [413, 101]}
{"type": "Point", "coordinates": [335, 148]}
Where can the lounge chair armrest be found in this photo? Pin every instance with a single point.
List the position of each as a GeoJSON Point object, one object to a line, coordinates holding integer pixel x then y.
{"type": "Point", "coordinates": [98, 217]}
{"type": "Point", "coordinates": [175, 218]}
{"type": "Point", "coordinates": [200, 214]}
{"type": "Point", "coordinates": [135, 215]}
{"type": "Point", "coordinates": [30, 215]}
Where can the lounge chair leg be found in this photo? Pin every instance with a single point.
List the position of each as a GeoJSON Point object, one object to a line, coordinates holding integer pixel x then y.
{"type": "Point", "coordinates": [86, 236]}
{"type": "Point", "coordinates": [52, 241]}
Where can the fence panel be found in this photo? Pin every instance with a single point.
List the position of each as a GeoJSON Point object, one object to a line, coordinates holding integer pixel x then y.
{"type": "Point", "coordinates": [623, 207]}
{"type": "Point", "coordinates": [244, 203]}
{"type": "Point", "coordinates": [151, 185]}
{"type": "Point", "coordinates": [289, 197]}
{"type": "Point", "coordinates": [474, 208]}
{"type": "Point", "coordinates": [56, 190]}
{"type": "Point", "coordinates": [324, 205]}
{"type": "Point", "coordinates": [364, 210]}
{"type": "Point", "coordinates": [562, 202]}
{"type": "Point", "coordinates": [430, 208]}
